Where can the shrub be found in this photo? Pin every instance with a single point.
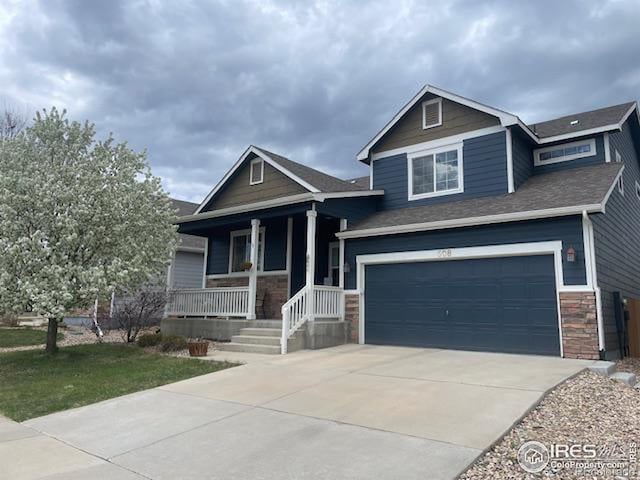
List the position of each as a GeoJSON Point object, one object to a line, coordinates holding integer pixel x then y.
{"type": "Point", "coordinates": [149, 339]}
{"type": "Point", "coordinates": [173, 343]}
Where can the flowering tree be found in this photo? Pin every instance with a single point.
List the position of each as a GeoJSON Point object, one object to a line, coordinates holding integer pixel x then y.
{"type": "Point", "coordinates": [79, 218]}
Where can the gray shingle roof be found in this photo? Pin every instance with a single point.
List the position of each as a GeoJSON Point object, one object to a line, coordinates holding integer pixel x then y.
{"type": "Point", "coordinates": [586, 120]}
{"type": "Point", "coordinates": [322, 181]}
{"type": "Point", "coordinates": [187, 208]}
{"type": "Point", "coordinates": [567, 188]}
{"type": "Point", "coordinates": [362, 182]}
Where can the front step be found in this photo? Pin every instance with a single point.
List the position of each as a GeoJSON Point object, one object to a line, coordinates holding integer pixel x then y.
{"type": "Point", "coordinates": [264, 324]}
{"type": "Point", "coordinates": [261, 332]}
{"type": "Point", "coordinates": [249, 348]}
{"type": "Point", "coordinates": [255, 339]}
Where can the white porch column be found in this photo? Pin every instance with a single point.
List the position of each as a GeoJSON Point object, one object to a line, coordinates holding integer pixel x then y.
{"type": "Point", "coordinates": [253, 272]}
{"type": "Point", "coordinates": [311, 260]}
{"type": "Point", "coordinates": [343, 227]}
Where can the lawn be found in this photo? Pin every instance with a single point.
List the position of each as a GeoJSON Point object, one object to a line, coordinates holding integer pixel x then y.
{"type": "Point", "coordinates": [21, 337]}
{"type": "Point", "coordinates": [33, 383]}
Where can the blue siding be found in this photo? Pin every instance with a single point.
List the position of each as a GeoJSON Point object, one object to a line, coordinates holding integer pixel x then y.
{"type": "Point", "coordinates": [353, 209]}
{"type": "Point", "coordinates": [617, 239]}
{"type": "Point", "coordinates": [522, 151]}
{"type": "Point", "coordinates": [578, 162]}
{"type": "Point", "coordinates": [275, 246]}
{"type": "Point", "coordinates": [484, 165]}
{"type": "Point", "coordinates": [566, 229]}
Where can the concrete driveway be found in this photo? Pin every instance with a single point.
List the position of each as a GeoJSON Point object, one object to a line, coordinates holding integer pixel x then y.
{"type": "Point", "coordinates": [347, 412]}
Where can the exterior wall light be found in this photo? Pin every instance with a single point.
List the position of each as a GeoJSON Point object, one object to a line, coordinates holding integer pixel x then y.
{"type": "Point", "coordinates": [571, 254]}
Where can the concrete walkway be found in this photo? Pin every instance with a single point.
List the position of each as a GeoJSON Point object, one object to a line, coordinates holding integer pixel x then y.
{"type": "Point", "coordinates": [347, 412]}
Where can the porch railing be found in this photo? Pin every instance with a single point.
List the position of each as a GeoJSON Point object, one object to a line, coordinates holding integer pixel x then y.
{"type": "Point", "coordinates": [223, 302]}
{"type": "Point", "coordinates": [308, 304]}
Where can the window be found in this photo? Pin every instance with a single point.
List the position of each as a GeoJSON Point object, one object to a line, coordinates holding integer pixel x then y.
{"type": "Point", "coordinates": [564, 153]}
{"type": "Point", "coordinates": [240, 250]}
{"type": "Point", "coordinates": [435, 172]}
{"type": "Point", "coordinates": [621, 185]}
{"type": "Point", "coordinates": [257, 171]}
{"type": "Point", "coordinates": [618, 156]}
{"type": "Point", "coordinates": [432, 113]}
{"type": "Point", "coordinates": [334, 263]}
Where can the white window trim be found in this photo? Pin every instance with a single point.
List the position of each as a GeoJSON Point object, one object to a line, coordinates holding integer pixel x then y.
{"type": "Point", "coordinates": [243, 233]}
{"type": "Point", "coordinates": [252, 181]}
{"type": "Point", "coordinates": [434, 101]}
{"type": "Point", "coordinates": [333, 245]}
{"type": "Point", "coordinates": [434, 151]}
{"type": "Point", "coordinates": [536, 153]}
{"type": "Point", "coordinates": [621, 185]}
{"type": "Point", "coordinates": [618, 157]}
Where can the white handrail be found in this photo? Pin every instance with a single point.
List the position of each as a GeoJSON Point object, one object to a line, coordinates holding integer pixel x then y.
{"type": "Point", "coordinates": [294, 314]}
{"type": "Point", "coordinates": [222, 301]}
{"type": "Point", "coordinates": [328, 302]}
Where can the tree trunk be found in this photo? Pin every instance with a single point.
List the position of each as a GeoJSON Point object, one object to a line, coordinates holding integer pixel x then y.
{"type": "Point", "coordinates": [52, 336]}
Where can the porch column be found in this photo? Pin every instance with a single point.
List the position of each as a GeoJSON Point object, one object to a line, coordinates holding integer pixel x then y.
{"type": "Point", "coordinates": [311, 260]}
{"type": "Point", "coordinates": [253, 272]}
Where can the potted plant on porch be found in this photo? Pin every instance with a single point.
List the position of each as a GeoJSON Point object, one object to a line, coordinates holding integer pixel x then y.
{"type": "Point", "coordinates": [198, 347]}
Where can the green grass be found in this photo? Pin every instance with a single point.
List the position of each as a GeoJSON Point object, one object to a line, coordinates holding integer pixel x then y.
{"type": "Point", "coordinates": [33, 383]}
{"type": "Point", "coordinates": [21, 337]}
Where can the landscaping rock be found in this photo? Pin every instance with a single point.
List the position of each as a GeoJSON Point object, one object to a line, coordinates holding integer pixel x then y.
{"type": "Point", "coordinates": [603, 368]}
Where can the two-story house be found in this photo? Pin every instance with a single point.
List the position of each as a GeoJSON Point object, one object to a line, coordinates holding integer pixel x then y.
{"type": "Point", "coordinates": [473, 231]}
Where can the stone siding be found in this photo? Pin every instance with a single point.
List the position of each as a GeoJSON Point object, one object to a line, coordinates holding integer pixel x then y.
{"type": "Point", "coordinates": [352, 316]}
{"type": "Point", "coordinates": [579, 325]}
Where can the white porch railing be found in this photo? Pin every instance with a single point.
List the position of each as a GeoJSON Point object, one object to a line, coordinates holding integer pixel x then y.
{"type": "Point", "coordinates": [328, 302]}
{"type": "Point", "coordinates": [223, 302]}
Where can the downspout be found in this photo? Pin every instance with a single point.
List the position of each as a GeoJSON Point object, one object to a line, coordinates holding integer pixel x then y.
{"type": "Point", "coordinates": [590, 256]}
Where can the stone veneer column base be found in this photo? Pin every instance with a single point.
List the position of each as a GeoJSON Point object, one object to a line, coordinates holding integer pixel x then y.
{"type": "Point", "coordinates": [352, 316]}
{"type": "Point", "coordinates": [579, 325]}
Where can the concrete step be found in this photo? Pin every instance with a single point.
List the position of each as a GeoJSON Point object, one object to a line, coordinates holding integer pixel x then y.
{"type": "Point", "coordinates": [625, 377]}
{"type": "Point", "coordinates": [249, 348]}
{"type": "Point", "coordinates": [261, 332]}
{"type": "Point", "coordinates": [256, 340]}
{"type": "Point", "coordinates": [265, 324]}
{"type": "Point", "coordinates": [603, 368]}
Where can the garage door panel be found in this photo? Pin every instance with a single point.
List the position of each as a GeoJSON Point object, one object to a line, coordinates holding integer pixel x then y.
{"type": "Point", "coordinates": [498, 304]}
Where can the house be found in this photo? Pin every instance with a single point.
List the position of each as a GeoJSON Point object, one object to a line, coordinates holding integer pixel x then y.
{"type": "Point", "coordinates": [185, 271]}
{"type": "Point", "coordinates": [473, 231]}
{"type": "Point", "coordinates": [186, 268]}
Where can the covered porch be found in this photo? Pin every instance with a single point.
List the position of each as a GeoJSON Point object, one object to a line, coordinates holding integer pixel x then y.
{"type": "Point", "coordinates": [281, 264]}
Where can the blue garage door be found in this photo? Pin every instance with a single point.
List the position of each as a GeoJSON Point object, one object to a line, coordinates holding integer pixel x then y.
{"type": "Point", "coordinates": [496, 304]}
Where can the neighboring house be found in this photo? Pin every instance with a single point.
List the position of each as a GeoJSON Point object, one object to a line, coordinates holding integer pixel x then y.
{"type": "Point", "coordinates": [473, 231]}
{"type": "Point", "coordinates": [186, 269]}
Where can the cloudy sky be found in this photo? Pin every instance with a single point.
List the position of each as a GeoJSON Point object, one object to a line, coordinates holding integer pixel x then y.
{"type": "Point", "coordinates": [195, 82]}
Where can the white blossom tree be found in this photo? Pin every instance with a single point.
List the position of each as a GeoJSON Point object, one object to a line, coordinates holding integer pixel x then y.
{"type": "Point", "coordinates": [79, 218]}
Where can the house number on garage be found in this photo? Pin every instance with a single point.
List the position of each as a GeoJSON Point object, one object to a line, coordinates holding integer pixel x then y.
{"type": "Point", "coordinates": [446, 253]}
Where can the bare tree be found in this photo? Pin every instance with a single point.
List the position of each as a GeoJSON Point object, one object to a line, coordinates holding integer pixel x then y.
{"type": "Point", "coordinates": [12, 122]}
{"type": "Point", "coordinates": [138, 311]}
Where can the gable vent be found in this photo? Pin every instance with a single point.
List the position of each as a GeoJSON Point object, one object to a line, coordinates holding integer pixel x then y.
{"type": "Point", "coordinates": [432, 113]}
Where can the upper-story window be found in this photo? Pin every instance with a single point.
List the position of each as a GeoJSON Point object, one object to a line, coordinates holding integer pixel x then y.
{"type": "Point", "coordinates": [564, 153]}
{"type": "Point", "coordinates": [256, 171]}
{"type": "Point", "coordinates": [432, 113]}
{"type": "Point", "coordinates": [435, 172]}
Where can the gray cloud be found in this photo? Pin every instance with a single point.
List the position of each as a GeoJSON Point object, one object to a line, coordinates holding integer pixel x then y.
{"type": "Point", "coordinates": [196, 82]}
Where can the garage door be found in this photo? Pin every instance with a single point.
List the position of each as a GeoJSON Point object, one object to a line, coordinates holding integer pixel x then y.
{"type": "Point", "coordinates": [495, 304]}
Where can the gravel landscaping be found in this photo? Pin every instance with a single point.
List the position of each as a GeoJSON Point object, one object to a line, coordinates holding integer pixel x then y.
{"type": "Point", "coordinates": [586, 409]}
